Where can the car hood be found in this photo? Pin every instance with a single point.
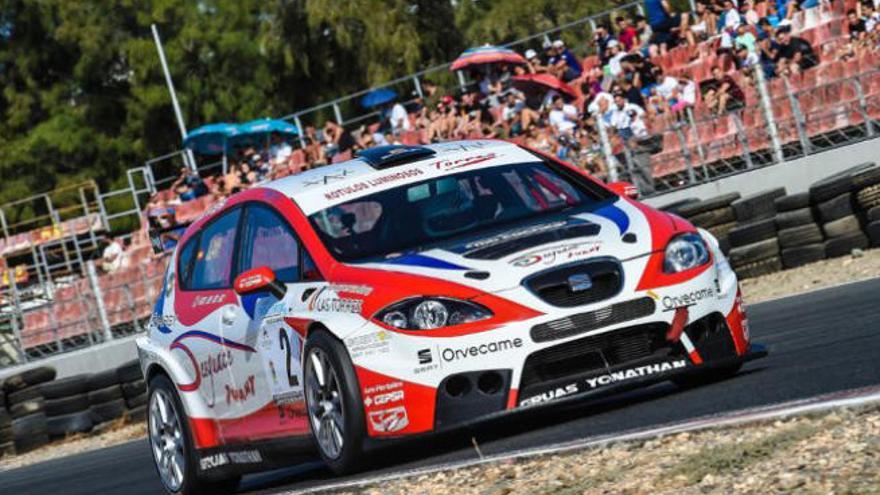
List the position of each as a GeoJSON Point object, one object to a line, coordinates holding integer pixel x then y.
{"type": "Point", "coordinates": [499, 260]}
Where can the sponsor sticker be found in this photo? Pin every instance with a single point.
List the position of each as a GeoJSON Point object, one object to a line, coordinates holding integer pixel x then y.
{"type": "Point", "coordinates": [365, 185]}
{"type": "Point", "coordinates": [383, 394]}
{"type": "Point", "coordinates": [450, 354]}
{"type": "Point", "coordinates": [515, 234]}
{"type": "Point", "coordinates": [325, 301]}
{"type": "Point", "coordinates": [210, 299]}
{"type": "Point", "coordinates": [558, 254]}
{"type": "Point", "coordinates": [246, 457]}
{"type": "Point", "coordinates": [551, 395]}
{"type": "Point", "coordinates": [463, 162]}
{"type": "Point", "coordinates": [370, 344]}
{"type": "Point", "coordinates": [213, 461]}
{"type": "Point", "coordinates": [241, 394]}
{"type": "Point", "coordinates": [389, 420]}
{"type": "Point", "coordinates": [691, 298]}
{"type": "Point", "coordinates": [631, 373]}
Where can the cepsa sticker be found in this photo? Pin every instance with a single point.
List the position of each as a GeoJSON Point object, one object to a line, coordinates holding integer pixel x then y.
{"type": "Point", "coordinates": [558, 254]}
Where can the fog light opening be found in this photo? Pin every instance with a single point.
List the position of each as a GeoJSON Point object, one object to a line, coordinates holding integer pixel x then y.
{"type": "Point", "coordinates": [490, 383]}
{"type": "Point", "coordinates": [458, 386]}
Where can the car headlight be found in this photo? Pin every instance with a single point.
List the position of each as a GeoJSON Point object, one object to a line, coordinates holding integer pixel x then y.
{"type": "Point", "coordinates": [684, 252]}
{"type": "Point", "coordinates": [427, 313]}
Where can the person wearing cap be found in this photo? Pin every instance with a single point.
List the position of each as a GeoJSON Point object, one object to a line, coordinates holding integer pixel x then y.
{"type": "Point", "coordinates": [616, 54]}
{"type": "Point", "coordinates": [564, 64]}
{"type": "Point", "coordinates": [533, 62]}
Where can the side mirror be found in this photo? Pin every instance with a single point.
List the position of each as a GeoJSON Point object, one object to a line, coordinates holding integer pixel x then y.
{"type": "Point", "coordinates": [259, 280]}
{"type": "Point", "coordinates": [626, 189]}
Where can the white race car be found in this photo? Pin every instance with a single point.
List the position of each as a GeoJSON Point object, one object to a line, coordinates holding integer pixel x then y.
{"type": "Point", "coordinates": [416, 289]}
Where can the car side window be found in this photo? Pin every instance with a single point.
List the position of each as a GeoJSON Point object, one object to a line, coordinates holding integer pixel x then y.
{"type": "Point", "coordinates": [185, 261]}
{"type": "Point", "coordinates": [268, 240]}
{"type": "Point", "coordinates": [213, 264]}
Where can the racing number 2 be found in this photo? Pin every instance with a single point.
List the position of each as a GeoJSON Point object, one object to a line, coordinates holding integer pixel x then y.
{"type": "Point", "coordinates": [284, 342]}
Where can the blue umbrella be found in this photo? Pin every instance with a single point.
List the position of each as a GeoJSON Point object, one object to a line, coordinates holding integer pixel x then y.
{"type": "Point", "coordinates": [260, 127]}
{"type": "Point", "coordinates": [378, 97]}
{"type": "Point", "coordinates": [211, 139]}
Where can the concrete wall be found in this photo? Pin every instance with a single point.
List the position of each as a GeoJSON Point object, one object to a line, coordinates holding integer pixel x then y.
{"type": "Point", "coordinates": [796, 175]}
{"type": "Point", "coordinates": [89, 360]}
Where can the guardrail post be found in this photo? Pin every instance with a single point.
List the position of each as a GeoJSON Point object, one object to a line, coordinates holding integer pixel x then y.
{"type": "Point", "coordinates": [99, 300]}
{"type": "Point", "coordinates": [300, 131]}
{"type": "Point", "coordinates": [744, 139]}
{"type": "Point", "coordinates": [418, 85]}
{"type": "Point", "coordinates": [610, 161]}
{"type": "Point", "coordinates": [700, 151]}
{"type": "Point", "coordinates": [462, 83]}
{"type": "Point", "coordinates": [16, 314]}
{"type": "Point", "coordinates": [863, 108]}
{"type": "Point", "coordinates": [766, 105]}
{"type": "Point", "coordinates": [688, 158]}
{"type": "Point", "coordinates": [799, 118]}
{"type": "Point", "coordinates": [3, 224]}
{"type": "Point", "coordinates": [337, 112]}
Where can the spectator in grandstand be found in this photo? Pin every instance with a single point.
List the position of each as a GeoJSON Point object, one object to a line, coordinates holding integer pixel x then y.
{"type": "Point", "coordinates": [432, 94]}
{"type": "Point", "coordinates": [627, 34]}
{"type": "Point", "coordinates": [113, 256]}
{"type": "Point", "coordinates": [562, 116]}
{"type": "Point", "coordinates": [856, 25]}
{"type": "Point", "coordinates": [563, 63]}
{"type": "Point", "coordinates": [730, 17]}
{"type": "Point", "coordinates": [626, 119]}
{"type": "Point", "coordinates": [314, 150]}
{"type": "Point", "coordinates": [533, 62]}
{"type": "Point", "coordinates": [721, 93]}
{"type": "Point", "coordinates": [871, 16]}
{"type": "Point", "coordinates": [398, 118]}
{"type": "Point", "coordinates": [705, 24]}
{"type": "Point", "coordinates": [516, 116]}
{"type": "Point", "coordinates": [796, 50]}
{"type": "Point", "coordinates": [601, 37]}
{"type": "Point", "coordinates": [646, 34]}
{"type": "Point", "coordinates": [189, 185]}
{"type": "Point", "coordinates": [748, 13]}
{"type": "Point", "coordinates": [337, 138]}
{"type": "Point", "coordinates": [632, 93]}
{"type": "Point", "coordinates": [666, 24]}
{"type": "Point", "coordinates": [280, 149]}
{"type": "Point", "coordinates": [616, 55]}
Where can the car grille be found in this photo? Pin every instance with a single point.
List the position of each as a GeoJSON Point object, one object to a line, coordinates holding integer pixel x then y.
{"type": "Point", "coordinates": [593, 320]}
{"type": "Point", "coordinates": [594, 353]}
{"type": "Point", "coordinates": [552, 286]}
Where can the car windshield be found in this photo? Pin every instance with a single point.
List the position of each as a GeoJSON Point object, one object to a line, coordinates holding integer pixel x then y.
{"type": "Point", "coordinates": [416, 216]}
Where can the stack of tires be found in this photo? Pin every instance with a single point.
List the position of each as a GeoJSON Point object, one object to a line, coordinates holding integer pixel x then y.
{"type": "Point", "coordinates": [106, 402]}
{"type": "Point", "coordinates": [134, 390]}
{"type": "Point", "coordinates": [713, 214]}
{"type": "Point", "coordinates": [835, 205]}
{"type": "Point", "coordinates": [68, 407]}
{"type": "Point", "coordinates": [866, 186]}
{"type": "Point", "coordinates": [754, 244]}
{"type": "Point", "coordinates": [26, 407]}
{"type": "Point", "coordinates": [800, 238]}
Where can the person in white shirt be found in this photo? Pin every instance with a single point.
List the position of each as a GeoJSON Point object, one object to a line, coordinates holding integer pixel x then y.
{"type": "Point", "coordinates": [563, 117]}
{"type": "Point", "coordinates": [616, 53]}
{"type": "Point", "coordinates": [280, 149]}
{"type": "Point", "coordinates": [732, 18]}
{"type": "Point", "coordinates": [399, 119]}
{"type": "Point", "coordinates": [113, 256]}
{"type": "Point", "coordinates": [623, 115]}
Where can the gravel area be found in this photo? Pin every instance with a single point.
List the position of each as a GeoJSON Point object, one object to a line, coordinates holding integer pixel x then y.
{"type": "Point", "coordinates": [837, 452]}
{"type": "Point", "coordinates": [859, 266]}
{"type": "Point", "coordinates": [107, 436]}
{"type": "Point", "coordinates": [826, 273]}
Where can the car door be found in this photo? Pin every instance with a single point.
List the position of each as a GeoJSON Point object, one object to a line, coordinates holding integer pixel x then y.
{"type": "Point", "coordinates": [209, 309]}
{"type": "Point", "coordinates": [268, 241]}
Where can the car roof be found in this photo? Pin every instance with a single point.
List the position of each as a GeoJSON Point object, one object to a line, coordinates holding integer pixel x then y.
{"type": "Point", "coordinates": [325, 186]}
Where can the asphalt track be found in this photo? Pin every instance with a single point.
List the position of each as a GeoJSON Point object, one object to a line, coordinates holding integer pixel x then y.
{"type": "Point", "coordinates": [820, 342]}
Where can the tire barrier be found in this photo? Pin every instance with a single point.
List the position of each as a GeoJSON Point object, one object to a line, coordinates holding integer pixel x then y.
{"type": "Point", "coordinates": [771, 231]}
{"type": "Point", "coordinates": [36, 409]}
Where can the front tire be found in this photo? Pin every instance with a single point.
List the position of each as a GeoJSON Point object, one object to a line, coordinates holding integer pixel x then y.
{"type": "Point", "coordinates": [174, 453]}
{"type": "Point", "coordinates": [333, 400]}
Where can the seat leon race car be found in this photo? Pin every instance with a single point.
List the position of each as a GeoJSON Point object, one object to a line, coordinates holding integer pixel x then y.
{"type": "Point", "coordinates": [414, 290]}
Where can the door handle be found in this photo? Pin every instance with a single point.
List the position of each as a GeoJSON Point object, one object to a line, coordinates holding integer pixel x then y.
{"type": "Point", "coordinates": [228, 315]}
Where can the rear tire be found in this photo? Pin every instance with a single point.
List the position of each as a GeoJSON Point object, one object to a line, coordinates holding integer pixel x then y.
{"type": "Point", "coordinates": [334, 403]}
{"type": "Point", "coordinates": [163, 430]}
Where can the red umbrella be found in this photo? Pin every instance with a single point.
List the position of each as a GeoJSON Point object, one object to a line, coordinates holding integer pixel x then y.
{"type": "Point", "coordinates": [487, 54]}
{"type": "Point", "coordinates": [536, 83]}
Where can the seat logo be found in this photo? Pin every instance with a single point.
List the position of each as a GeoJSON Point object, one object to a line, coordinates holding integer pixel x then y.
{"type": "Point", "coordinates": [580, 282]}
